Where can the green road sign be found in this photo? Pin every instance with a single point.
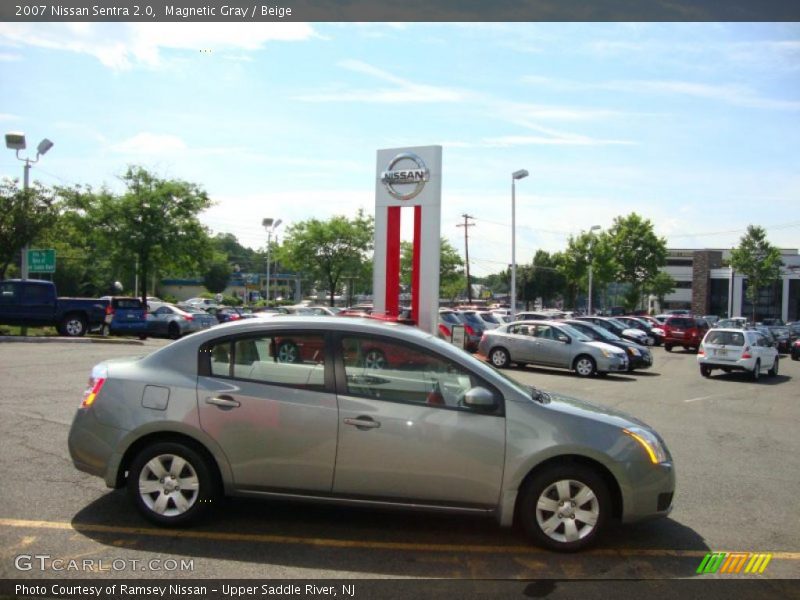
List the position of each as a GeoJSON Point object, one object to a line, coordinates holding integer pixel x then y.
{"type": "Point", "coordinates": [42, 261]}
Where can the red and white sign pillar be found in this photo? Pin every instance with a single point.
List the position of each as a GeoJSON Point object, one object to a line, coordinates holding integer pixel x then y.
{"type": "Point", "coordinates": [408, 177]}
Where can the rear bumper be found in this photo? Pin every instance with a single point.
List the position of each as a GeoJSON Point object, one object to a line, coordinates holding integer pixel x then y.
{"type": "Point", "coordinates": [92, 446]}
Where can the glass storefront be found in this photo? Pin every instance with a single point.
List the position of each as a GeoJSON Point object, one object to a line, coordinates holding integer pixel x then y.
{"type": "Point", "coordinates": [718, 302]}
{"type": "Point", "coordinates": [768, 304]}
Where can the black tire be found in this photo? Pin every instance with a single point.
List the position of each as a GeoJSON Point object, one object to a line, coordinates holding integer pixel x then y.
{"type": "Point", "coordinates": [500, 358]}
{"type": "Point", "coordinates": [375, 359]}
{"type": "Point", "coordinates": [174, 331]}
{"type": "Point", "coordinates": [73, 326]}
{"type": "Point", "coordinates": [773, 372]}
{"type": "Point", "coordinates": [195, 467]}
{"type": "Point", "coordinates": [543, 487]}
{"type": "Point", "coordinates": [288, 352]}
{"type": "Point", "coordinates": [795, 355]}
{"type": "Point", "coordinates": [668, 347]}
{"type": "Point", "coordinates": [584, 366]}
{"type": "Point", "coordinates": [142, 336]}
{"type": "Point", "coordinates": [705, 371]}
{"type": "Point", "coordinates": [756, 374]}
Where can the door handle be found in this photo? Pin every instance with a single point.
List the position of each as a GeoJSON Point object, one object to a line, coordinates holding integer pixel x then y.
{"type": "Point", "coordinates": [363, 423]}
{"type": "Point", "coordinates": [223, 402]}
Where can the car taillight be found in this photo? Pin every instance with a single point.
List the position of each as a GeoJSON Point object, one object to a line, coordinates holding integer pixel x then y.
{"type": "Point", "coordinates": [234, 317]}
{"type": "Point", "coordinates": [746, 353]}
{"type": "Point", "coordinates": [469, 330]}
{"type": "Point", "coordinates": [187, 317]}
{"type": "Point", "coordinates": [96, 381]}
{"type": "Point", "coordinates": [701, 351]}
{"type": "Point", "coordinates": [444, 330]}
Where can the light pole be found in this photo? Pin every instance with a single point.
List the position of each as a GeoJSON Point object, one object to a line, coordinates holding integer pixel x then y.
{"type": "Point", "coordinates": [270, 225]}
{"type": "Point", "coordinates": [522, 173]}
{"type": "Point", "coordinates": [16, 141]}
{"type": "Point", "coordinates": [591, 260]}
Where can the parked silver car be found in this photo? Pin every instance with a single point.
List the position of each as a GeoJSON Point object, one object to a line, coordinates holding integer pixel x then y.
{"type": "Point", "coordinates": [220, 412]}
{"type": "Point", "coordinates": [170, 321]}
{"type": "Point", "coordinates": [550, 344]}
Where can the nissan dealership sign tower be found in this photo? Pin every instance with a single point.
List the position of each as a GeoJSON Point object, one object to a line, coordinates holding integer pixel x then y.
{"type": "Point", "coordinates": [408, 177]}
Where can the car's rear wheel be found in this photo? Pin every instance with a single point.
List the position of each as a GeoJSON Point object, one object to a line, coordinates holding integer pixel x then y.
{"type": "Point", "coordinates": [668, 347]}
{"type": "Point", "coordinates": [565, 507]}
{"type": "Point", "coordinates": [288, 352]}
{"type": "Point", "coordinates": [375, 359]}
{"type": "Point", "coordinates": [171, 483]}
{"type": "Point", "coordinates": [73, 326]}
{"type": "Point", "coordinates": [174, 331]}
{"type": "Point", "coordinates": [500, 358]}
{"type": "Point", "coordinates": [773, 372]}
{"type": "Point", "coordinates": [757, 371]}
{"type": "Point", "coordinates": [705, 371]}
{"type": "Point", "coordinates": [585, 366]}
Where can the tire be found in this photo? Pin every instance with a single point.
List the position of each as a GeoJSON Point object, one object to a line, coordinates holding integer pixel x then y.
{"type": "Point", "coordinates": [584, 366]}
{"type": "Point", "coordinates": [183, 495]}
{"type": "Point", "coordinates": [795, 355]}
{"type": "Point", "coordinates": [500, 358]}
{"type": "Point", "coordinates": [650, 341]}
{"type": "Point", "coordinates": [578, 526]}
{"type": "Point", "coordinates": [705, 371]}
{"type": "Point", "coordinates": [668, 347]}
{"type": "Point", "coordinates": [773, 372]}
{"type": "Point", "coordinates": [142, 336]}
{"type": "Point", "coordinates": [288, 352]}
{"type": "Point", "coordinates": [375, 359]}
{"type": "Point", "coordinates": [756, 374]}
{"type": "Point", "coordinates": [174, 331]}
{"type": "Point", "coordinates": [73, 326]}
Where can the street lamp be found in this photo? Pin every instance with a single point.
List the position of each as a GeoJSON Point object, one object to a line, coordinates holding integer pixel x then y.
{"type": "Point", "coordinates": [16, 141]}
{"type": "Point", "coordinates": [522, 173]}
{"type": "Point", "coordinates": [591, 260]}
{"type": "Point", "coordinates": [270, 225]}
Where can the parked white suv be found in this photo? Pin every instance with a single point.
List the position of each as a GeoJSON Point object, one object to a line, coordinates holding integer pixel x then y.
{"type": "Point", "coordinates": [737, 350]}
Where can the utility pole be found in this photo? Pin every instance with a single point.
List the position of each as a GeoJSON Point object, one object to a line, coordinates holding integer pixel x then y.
{"type": "Point", "coordinates": [466, 225]}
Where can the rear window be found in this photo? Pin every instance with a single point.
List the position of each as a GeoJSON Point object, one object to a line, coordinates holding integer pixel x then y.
{"type": "Point", "coordinates": [449, 317]}
{"type": "Point", "coordinates": [133, 303]}
{"type": "Point", "coordinates": [725, 338]}
{"type": "Point", "coordinates": [681, 322]}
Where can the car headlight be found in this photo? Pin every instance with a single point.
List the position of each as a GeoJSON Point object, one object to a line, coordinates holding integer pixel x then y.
{"type": "Point", "coordinates": [633, 351]}
{"type": "Point", "coordinates": [650, 443]}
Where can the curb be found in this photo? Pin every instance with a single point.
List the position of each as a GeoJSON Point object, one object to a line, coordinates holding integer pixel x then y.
{"type": "Point", "coordinates": [69, 340]}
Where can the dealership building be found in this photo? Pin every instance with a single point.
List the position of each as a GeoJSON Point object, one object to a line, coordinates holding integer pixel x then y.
{"type": "Point", "coordinates": [705, 285]}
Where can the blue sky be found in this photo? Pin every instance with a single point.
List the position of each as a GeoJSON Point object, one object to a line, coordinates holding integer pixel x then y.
{"type": "Point", "coordinates": [694, 125]}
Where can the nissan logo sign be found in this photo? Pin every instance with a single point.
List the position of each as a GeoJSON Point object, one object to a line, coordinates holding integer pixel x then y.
{"type": "Point", "coordinates": [416, 175]}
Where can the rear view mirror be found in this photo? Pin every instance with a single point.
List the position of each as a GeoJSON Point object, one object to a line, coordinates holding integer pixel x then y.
{"type": "Point", "coordinates": [479, 398]}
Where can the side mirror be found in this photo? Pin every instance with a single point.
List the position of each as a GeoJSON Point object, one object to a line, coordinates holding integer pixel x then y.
{"type": "Point", "coordinates": [479, 398]}
{"type": "Point", "coordinates": [565, 339]}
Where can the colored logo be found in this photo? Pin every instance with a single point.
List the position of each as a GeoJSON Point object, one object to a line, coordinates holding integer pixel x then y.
{"type": "Point", "coordinates": [734, 562]}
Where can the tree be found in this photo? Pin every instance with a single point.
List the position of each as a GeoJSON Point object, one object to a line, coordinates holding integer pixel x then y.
{"type": "Point", "coordinates": [217, 276]}
{"type": "Point", "coordinates": [661, 285]}
{"type": "Point", "coordinates": [451, 271]}
{"type": "Point", "coordinates": [153, 225]}
{"type": "Point", "coordinates": [639, 254]}
{"type": "Point", "coordinates": [328, 250]}
{"type": "Point", "coordinates": [23, 216]}
{"type": "Point", "coordinates": [758, 260]}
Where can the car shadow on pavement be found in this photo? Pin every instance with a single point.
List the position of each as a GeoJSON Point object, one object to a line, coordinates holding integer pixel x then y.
{"type": "Point", "coordinates": [369, 542]}
{"type": "Point", "coordinates": [748, 378]}
{"type": "Point", "coordinates": [624, 377]}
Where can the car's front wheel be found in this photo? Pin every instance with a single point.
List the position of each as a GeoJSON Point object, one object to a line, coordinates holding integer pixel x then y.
{"type": "Point", "coordinates": [500, 358]}
{"type": "Point", "coordinates": [585, 366]}
{"type": "Point", "coordinates": [171, 483]}
{"type": "Point", "coordinates": [565, 507]}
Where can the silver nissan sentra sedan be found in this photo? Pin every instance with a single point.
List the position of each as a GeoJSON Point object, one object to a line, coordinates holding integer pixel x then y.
{"type": "Point", "coordinates": [360, 412]}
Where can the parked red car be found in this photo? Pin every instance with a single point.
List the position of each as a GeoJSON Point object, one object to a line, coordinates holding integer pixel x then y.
{"type": "Point", "coordinates": [684, 330]}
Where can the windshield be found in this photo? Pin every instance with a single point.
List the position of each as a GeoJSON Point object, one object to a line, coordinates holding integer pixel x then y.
{"type": "Point", "coordinates": [619, 324]}
{"type": "Point", "coordinates": [490, 318]}
{"type": "Point", "coordinates": [602, 333]}
{"type": "Point", "coordinates": [578, 335]}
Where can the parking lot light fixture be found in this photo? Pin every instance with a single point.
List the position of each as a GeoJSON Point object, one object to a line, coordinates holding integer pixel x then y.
{"type": "Point", "coordinates": [591, 260]}
{"type": "Point", "coordinates": [270, 225]}
{"type": "Point", "coordinates": [522, 173]}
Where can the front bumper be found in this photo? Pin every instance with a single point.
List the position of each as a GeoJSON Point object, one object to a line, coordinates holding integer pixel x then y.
{"type": "Point", "coordinates": [650, 493]}
{"type": "Point", "coordinates": [612, 364]}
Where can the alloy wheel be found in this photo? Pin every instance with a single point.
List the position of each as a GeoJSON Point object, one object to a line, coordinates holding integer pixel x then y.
{"type": "Point", "coordinates": [567, 511]}
{"type": "Point", "coordinates": [168, 485]}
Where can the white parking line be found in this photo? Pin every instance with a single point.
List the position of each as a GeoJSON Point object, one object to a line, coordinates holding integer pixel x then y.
{"type": "Point", "coordinates": [701, 398]}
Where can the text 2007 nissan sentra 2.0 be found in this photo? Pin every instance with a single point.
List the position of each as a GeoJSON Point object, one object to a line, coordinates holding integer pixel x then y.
{"type": "Point", "coordinates": [292, 407]}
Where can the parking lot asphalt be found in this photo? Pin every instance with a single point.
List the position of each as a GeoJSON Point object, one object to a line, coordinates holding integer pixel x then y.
{"type": "Point", "coordinates": [734, 443]}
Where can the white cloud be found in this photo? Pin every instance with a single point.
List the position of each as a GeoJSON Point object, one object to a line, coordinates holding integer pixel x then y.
{"type": "Point", "coordinates": [146, 143]}
{"type": "Point", "coordinates": [123, 45]}
{"type": "Point", "coordinates": [402, 90]}
{"type": "Point", "coordinates": [8, 117]}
